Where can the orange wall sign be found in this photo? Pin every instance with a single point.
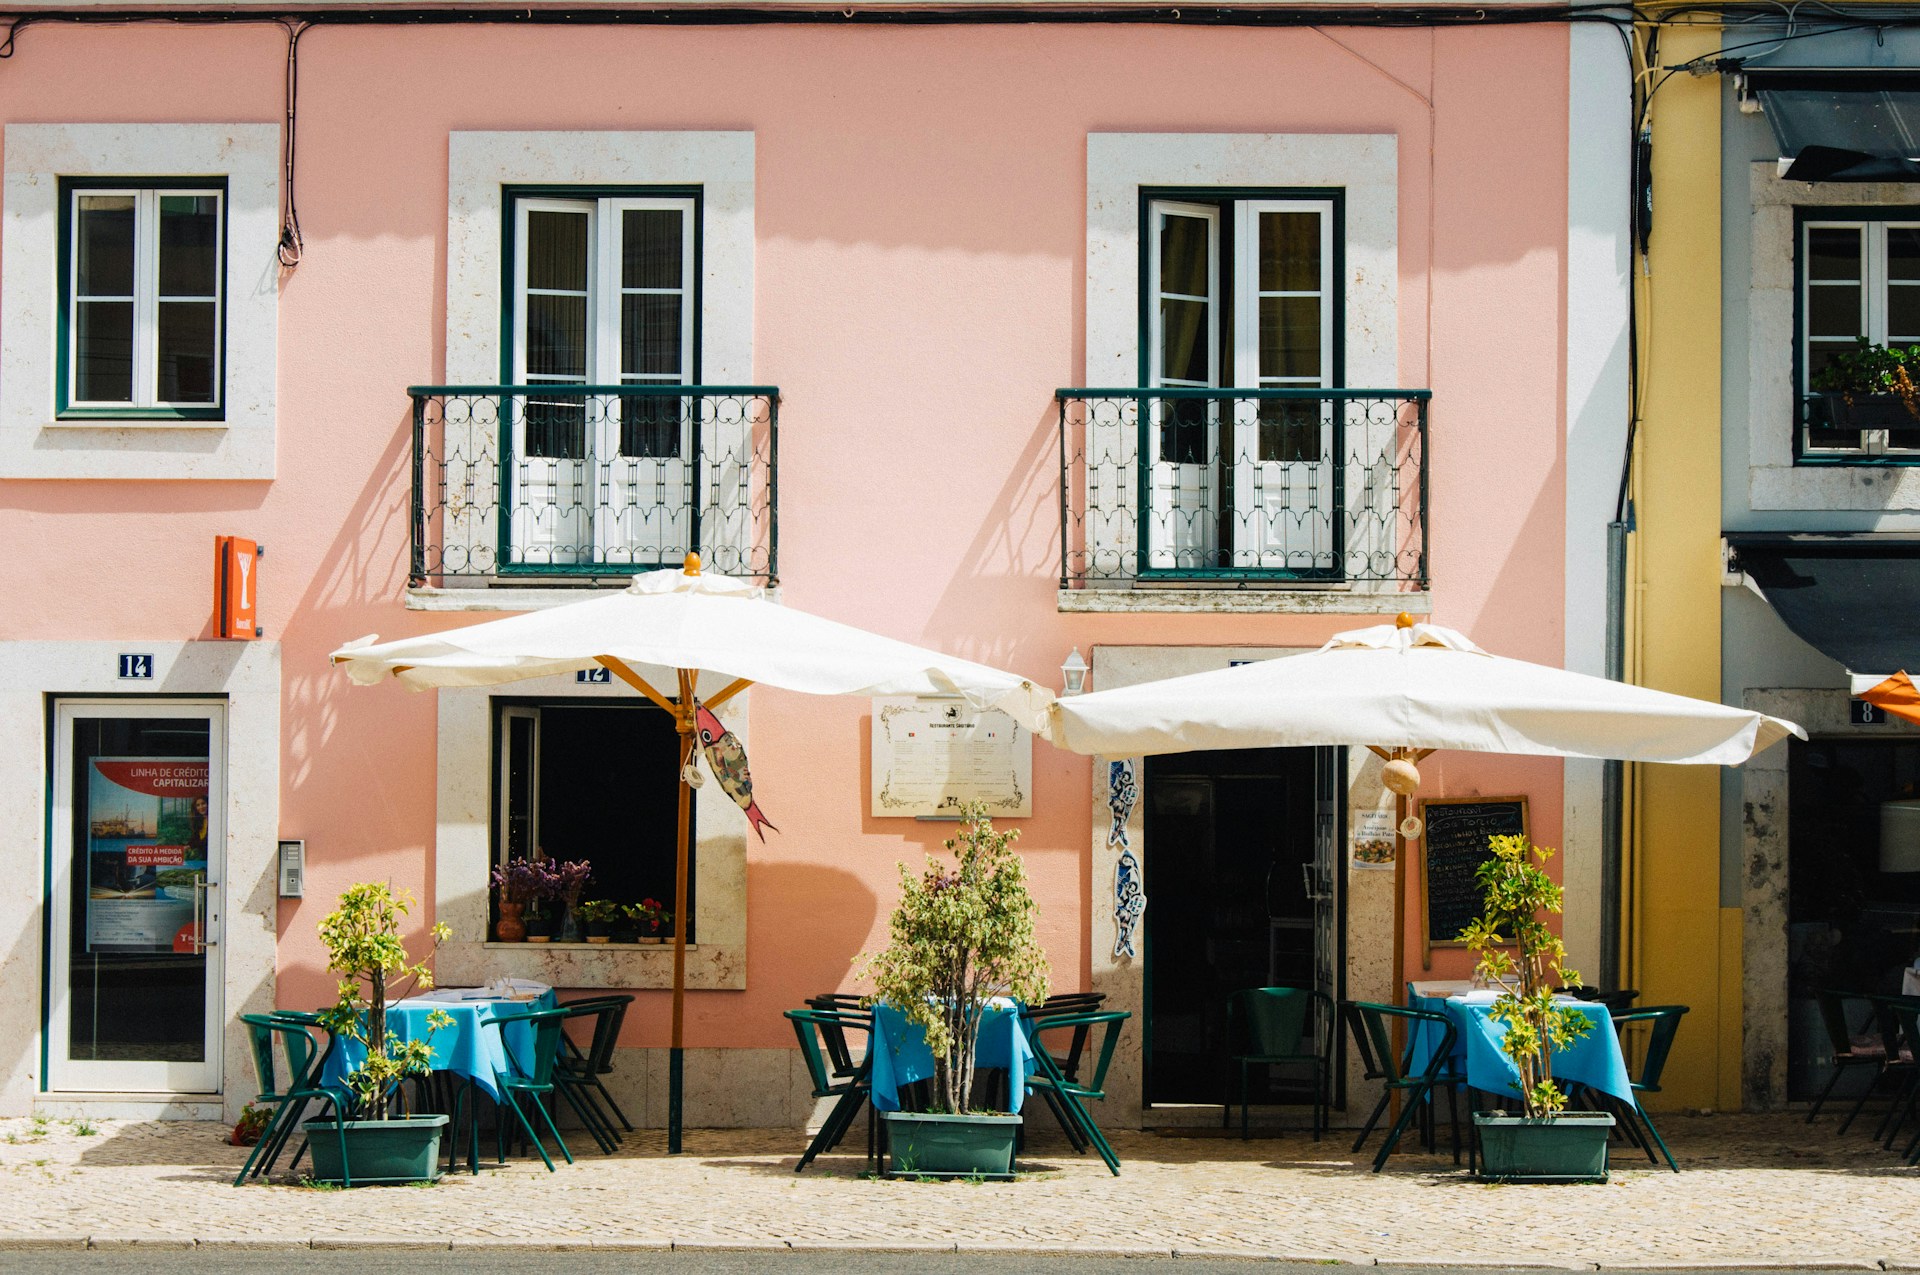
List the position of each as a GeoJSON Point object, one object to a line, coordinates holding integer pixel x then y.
{"type": "Point", "coordinates": [236, 592]}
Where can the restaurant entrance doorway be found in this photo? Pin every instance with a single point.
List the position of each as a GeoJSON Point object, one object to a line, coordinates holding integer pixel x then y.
{"type": "Point", "coordinates": [1243, 890]}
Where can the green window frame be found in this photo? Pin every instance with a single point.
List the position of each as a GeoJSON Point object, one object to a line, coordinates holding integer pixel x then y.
{"type": "Point", "coordinates": [172, 325]}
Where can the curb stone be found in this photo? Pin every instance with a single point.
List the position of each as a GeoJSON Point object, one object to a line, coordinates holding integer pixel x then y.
{"type": "Point", "coordinates": [382, 1244]}
{"type": "Point", "coordinates": [140, 1241]}
{"type": "Point", "coordinates": [616, 1244]}
{"type": "Point", "coordinates": [516, 1244]}
{"type": "Point", "coordinates": [855, 1246]}
{"type": "Point", "coordinates": [252, 1244]}
{"type": "Point", "coordinates": [53, 1239]}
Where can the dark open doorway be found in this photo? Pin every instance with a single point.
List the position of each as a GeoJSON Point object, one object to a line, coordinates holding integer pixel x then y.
{"type": "Point", "coordinates": [1242, 888]}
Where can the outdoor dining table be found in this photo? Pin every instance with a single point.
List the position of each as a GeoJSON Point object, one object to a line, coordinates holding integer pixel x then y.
{"type": "Point", "coordinates": [900, 1055]}
{"type": "Point", "coordinates": [1593, 1060]}
{"type": "Point", "coordinates": [467, 1047]}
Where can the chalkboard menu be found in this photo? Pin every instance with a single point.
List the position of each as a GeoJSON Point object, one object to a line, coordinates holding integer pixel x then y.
{"type": "Point", "coordinates": [1452, 850]}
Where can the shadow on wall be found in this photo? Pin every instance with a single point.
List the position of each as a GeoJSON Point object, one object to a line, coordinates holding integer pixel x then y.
{"type": "Point", "coordinates": [1012, 563]}
{"type": "Point", "coordinates": [20, 1071]}
{"type": "Point", "coordinates": [341, 754]}
{"type": "Point", "coordinates": [816, 955]}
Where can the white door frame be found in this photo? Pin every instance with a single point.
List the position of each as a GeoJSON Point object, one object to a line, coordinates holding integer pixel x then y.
{"type": "Point", "coordinates": [68, 1075]}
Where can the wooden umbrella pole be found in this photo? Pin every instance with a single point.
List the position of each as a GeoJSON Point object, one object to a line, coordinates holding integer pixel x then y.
{"type": "Point", "coordinates": [684, 720]}
{"type": "Point", "coordinates": [1399, 931]}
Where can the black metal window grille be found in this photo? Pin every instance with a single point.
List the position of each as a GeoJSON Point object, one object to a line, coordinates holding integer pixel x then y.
{"type": "Point", "coordinates": [565, 482]}
{"type": "Point", "coordinates": [1245, 487]}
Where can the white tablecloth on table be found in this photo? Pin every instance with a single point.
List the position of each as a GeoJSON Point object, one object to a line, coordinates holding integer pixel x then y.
{"type": "Point", "coordinates": [1910, 982]}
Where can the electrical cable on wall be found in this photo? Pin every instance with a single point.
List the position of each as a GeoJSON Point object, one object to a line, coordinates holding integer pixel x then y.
{"type": "Point", "coordinates": [291, 245]}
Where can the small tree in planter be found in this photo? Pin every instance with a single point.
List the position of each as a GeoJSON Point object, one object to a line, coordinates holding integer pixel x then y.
{"type": "Point", "coordinates": [1518, 895]}
{"type": "Point", "coordinates": [961, 936]}
{"type": "Point", "coordinates": [364, 946]}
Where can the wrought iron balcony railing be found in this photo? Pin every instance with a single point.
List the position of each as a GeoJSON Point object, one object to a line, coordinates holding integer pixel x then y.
{"type": "Point", "coordinates": [1243, 487]}
{"type": "Point", "coordinates": [532, 482]}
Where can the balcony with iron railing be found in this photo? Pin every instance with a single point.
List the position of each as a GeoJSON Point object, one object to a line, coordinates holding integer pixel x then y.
{"type": "Point", "coordinates": [565, 484]}
{"type": "Point", "coordinates": [1272, 489]}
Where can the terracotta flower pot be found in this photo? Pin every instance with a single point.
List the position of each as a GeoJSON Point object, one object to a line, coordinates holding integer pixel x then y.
{"type": "Point", "coordinates": [510, 928]}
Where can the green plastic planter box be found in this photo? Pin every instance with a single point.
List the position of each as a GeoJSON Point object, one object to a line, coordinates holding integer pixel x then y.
{"type": "Point", "coordinates": [923, 1145]}
{"type": "Point", "coordinates": [1569, 1147]}
{"type": "Point", "coordinates": [378, 1151]}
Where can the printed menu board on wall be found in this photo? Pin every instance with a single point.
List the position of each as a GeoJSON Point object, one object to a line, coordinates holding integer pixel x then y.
{"type": "Point", "coordinates": [1452, 849]}
{"type": "Point", "coordinates": [931, 756]}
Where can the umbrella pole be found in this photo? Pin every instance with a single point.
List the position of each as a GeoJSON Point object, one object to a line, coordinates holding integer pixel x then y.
{"type": "Point", "coordinates": [675, 1057]}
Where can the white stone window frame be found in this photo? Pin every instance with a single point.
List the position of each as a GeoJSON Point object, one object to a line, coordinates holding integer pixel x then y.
{"type": "Point", "coordinates": [34, 442]}
{"type": "Point", "coordinates": [463, 857]}
{"type": "Point", "coordinates": [481, 166]}
{"type": "Point", "coordinates": [1119, 166]}
{"type": "Point", "coordinates": [247, 676]}
{"type": "Point", "coordinates": [1774, 481]}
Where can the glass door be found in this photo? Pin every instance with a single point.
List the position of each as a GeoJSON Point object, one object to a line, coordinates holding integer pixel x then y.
{"type": "Point", "coordinates": [1286, 454]}
{"type": "Point", "coordinates": [1183, 442]}
{"type": "Point", "coordinates": [603, 295]}
{"type": "Point", "coordinates": [134, 908]}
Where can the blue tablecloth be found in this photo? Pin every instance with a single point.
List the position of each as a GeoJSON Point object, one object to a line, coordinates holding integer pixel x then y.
{"type": "Point", "coordinates": [466, 1048]}
{"type": "Point", "coordinates": [1594, 1060]}
{"type": "Point", "coordinates": [900, 1054]}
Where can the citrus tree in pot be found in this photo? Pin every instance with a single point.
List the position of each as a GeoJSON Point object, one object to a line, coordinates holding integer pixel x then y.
{"type": "Point", "coordinates": [1545, 1141]}
{"type": "Point", "coordinates": [962, 935]}
{"type": "Point", "coordinates": [365, 947]}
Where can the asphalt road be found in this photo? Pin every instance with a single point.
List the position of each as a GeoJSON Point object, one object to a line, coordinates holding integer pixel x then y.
{"type": "Point", "coordinates": [470, 1262]}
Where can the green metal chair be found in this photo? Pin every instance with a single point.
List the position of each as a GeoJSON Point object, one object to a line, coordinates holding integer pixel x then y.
{"type": "Point", "coordinates": [304, 1061]}
{"type": "Point", "coordinates": [1369, 1024]}
{"type": "Point", "coordinates": [1278, 1027]}
{"type": "Point", "coordinates": [1068, 1098]}
{"type": "Point", "coordinates": [848, 1007]}
{"type": "Point", "coordinates": [1069, 1003]}
{"type": "Point", "coordinates": [815, 1028]}
{"type": "Point", "coordinates": [577, 1072]}
{"type": "Point", "coordinates": [1665, 1020]}
{"type": "Point", "coordinates": [1848, 1054]}
{"type": "Point", "coordinates": [530, 1079]}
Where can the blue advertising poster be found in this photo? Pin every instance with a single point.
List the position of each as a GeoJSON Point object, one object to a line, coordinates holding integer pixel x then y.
{"type": "Point", "coordinates": [146, 848]}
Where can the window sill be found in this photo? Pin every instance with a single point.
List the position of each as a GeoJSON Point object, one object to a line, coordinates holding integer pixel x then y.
{"type": "Point", "coordinates": [513, 598]}
{"type": "Point", "coordinates": [586, 947]}
{"type": "Point", "coordinates": [625, 966]}
{"type": "Point", "coordinates": [1227, 600]}
{"type": "Point", "coordinates": [1834, 485]}
{"type": "Point", "coordinates": [133, 420]}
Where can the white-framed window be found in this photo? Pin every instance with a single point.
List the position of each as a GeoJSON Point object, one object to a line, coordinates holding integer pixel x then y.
{"type": "Point", "coordinates": [605, 293]}
{"type": "Point", "coordinates": [142, 310]}
{"type": "Point", "coordinates": [1859, 278]}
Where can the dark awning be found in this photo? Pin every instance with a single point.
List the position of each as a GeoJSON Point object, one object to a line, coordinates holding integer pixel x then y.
{"type": "Point", "coordinates": [1854, 597]}
{"type": "Point", "coordinates": [1843, 126]}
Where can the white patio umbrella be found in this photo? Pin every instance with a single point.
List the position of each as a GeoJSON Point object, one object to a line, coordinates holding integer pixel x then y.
{"type": "Point", "coordinates": [1404, 690]}
{"type": "Point", "coordinates": [670, 634]}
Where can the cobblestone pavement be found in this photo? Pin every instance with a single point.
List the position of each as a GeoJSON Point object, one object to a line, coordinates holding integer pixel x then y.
{"type": "Point", "coordinates": [1756, 1190]}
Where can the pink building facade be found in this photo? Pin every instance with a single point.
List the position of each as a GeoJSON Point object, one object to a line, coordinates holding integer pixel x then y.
{"type": "Point", "coordinates": [888, 246]}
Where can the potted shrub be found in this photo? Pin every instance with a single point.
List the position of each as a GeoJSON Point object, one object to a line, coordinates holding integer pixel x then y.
{"type": "Point", "coordinates": [598, 916]}
{"type": "Point", "coordinates": [646, 917]}
{"type": "Point", "coordinates": [1868, 387]}
{"type": "Point", "coordinates": [626, 929]}
{"type": "Point", "coordinates": [961, 936]}
{"type": "Point", "coordinates": [1545, 1142]}
{"type": "Point", "coordinates": [518, 883]}
{"type": "Point", "coordinates": [364, 946]}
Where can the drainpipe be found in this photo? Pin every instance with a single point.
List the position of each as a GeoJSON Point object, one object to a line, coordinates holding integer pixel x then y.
{"type": "Point", "coordinates": [1613, 773]}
